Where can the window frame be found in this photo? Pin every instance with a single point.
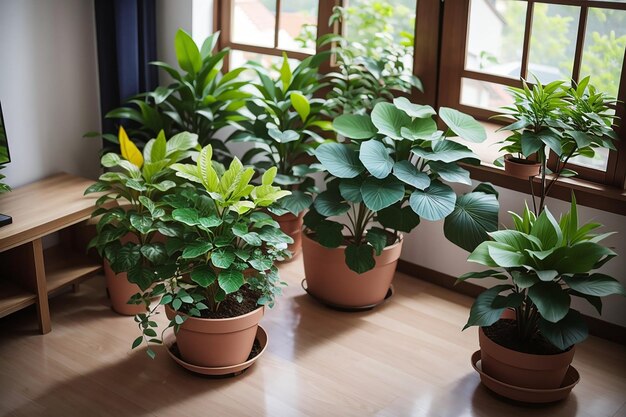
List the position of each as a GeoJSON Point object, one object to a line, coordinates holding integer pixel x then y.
{"type": "Point", "coordinates": [454, 49]}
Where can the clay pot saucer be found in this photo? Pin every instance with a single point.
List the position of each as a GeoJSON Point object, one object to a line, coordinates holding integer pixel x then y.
{"type": "Point", "coordinates": [527, 395]}
{"type": "Point", "coordinates": [222, 371]}
{"type": "Point", "coordinates": [349, 309]}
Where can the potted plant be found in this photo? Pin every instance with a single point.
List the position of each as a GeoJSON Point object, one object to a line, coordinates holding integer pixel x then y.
{"type": "Point", "coordinates": [130, 233]}
{"type": "Point", "coordinates": [569, 121]}
{"type": "Point", "coordinates": [389, 175]}
{"type": "Point", "coordinates": [546, 264]}
{"type": "Point", "coordinates": [285, 124]}
{"type": "Point", "coordinates": [200, 98]}
{"type": "Point", "coordinates": [224, 247]}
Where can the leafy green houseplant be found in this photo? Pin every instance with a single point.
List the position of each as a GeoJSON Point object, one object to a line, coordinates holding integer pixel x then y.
{"type": "Point", "coordinates": [286, 123]}
{"type": "Point", "coordinates": [391, 174]}
{"type": "Point", "coordinates": [199, 100]}
{"type": "Point", "coordinates": [224, 248]}
{"type": "Point", "coordinates": [131, 223]}
{"type": "Point", "coordinates": [568, 121]}
{"type": "Point", "coordinates": [546, 264]}
{"type": "Point", "coordinates": [4, 188]}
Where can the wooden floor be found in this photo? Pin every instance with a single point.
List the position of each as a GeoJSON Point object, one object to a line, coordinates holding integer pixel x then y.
{"type": "Point", "coordinates": [406, 358]}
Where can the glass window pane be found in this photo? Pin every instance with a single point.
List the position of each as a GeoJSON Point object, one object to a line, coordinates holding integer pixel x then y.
{"type": "Point", "coordinates": [381, 28]}
{"type": "Point", "coordinates": [298, 25]}
{"type": "Point", "coordinates": [484, 94]}
{"type": "Point", "coordinates": [600, 161]}
{"type": "Point", "coordinates": [489, 150]}
{"type": "Point", "coordinates": [270, 62]}
{"type": "Point", "coordinates": [603, 51]}
{"type": "Point", "coordinates": [553, 42]}
{"type": "Point", "coordinates": [496, 37]}
{"type": "Point", "coordinates": [254, 22]}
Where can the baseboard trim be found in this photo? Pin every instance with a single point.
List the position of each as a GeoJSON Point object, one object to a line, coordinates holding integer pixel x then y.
{"type": "Point", "coordinates": [600, 328]}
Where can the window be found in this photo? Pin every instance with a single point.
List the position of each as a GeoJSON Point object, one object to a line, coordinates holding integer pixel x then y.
{"type": "Point", "coordinates": [466, 52]}
{"type": "Point", "coordinates": [488, 45]}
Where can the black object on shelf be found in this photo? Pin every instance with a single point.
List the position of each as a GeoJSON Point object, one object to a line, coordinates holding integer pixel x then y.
{"type": "Point", "coordinates": [4, 220]}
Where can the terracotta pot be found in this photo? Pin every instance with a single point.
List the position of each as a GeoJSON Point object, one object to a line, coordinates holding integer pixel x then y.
{"type": "Point", "coordinates": [120, 291]}
{"type": "Point", "coordinates": [217, 342]}
{"type": "Point", "coordinates": [523, 369]}
{"type": "Point", "coordinates": [521, 168]}
{"type": "Point", "coordinates": [292, 226]}
{"type": "Point", "coordinates": [329, 278]}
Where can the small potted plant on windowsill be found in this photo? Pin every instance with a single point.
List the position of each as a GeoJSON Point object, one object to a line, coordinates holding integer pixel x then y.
{"type": "Point", "coordinates": [225, 248]}
{"type": "Point", "coordinates": [131, 233]}
{"type": "Point", "coordinates": [286, 123]}
{"type": "Point", "coordinates": [547, 263]}
{"type": "Point", "coordinates": [391, 172]}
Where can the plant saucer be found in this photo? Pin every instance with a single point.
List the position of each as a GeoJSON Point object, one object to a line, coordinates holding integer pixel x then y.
{"type": "Point", "coordinates": [340, 307]}
{"type": "Point", "coordinates": [527, 395]}
{"type": "Point", "coordinates": [221, 371]}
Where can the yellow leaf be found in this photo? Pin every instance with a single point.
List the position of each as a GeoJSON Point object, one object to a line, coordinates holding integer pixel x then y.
{"type": "Point", "coordinates": [129, 149]}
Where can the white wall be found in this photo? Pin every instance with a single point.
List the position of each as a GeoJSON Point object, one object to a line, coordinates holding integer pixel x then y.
{"type": "Point", "coordinates": [49, 88]}
{"type": "Point", "coordinates": [428, 247]}
{"type": "Point", "coordinates": [170, 16]}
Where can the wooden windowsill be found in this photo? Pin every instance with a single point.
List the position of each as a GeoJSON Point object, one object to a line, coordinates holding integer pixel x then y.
{"type": "Point", "coordinates": [589, 194]}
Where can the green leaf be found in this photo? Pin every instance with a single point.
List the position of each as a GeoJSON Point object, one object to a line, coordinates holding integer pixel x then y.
{"type": "Point", "coordinates": [599, 285]}
{"type": "Point", "coordinates": [328, 203]}
{"type": "Point", "coordinates": [409, 174]}
{"type": "Point", "coordinates": [489, 273]}
{"type": "Point", "coordinates": [531, 143]}
{"type": "Point", "coordinates": [413, 110]}
{"type": "Point", "coordinates": [262, 264]}
{"type": "Point", "coordinates": [378, 194]}
{"type": "Point", "coordinates": [547, 230]}
{"type": "Point", "coordinates": [283, 137]}
{"type": "Point", "coordinates": [474, 215]}
{"type": "Point", "coordinates": [579, 258]}
{"type": "Point", "coordinates": [339, 159]}
{"type": "Point", "coordinates": [506, 256]}
{"type": "Point", "coordinates": [329, 234]}
{"type": "Point", "coordinates": [375, 157]}
{"type": "Point", "coordinates": [566, 332]}
{"type": "Point", "coordinates": [285, 73]}
{"type": "Point", "coordinates": [524, 280]}
{"type": "Point", "coordinates": [390, 120]}
{"type": "Point", "coordinates": [187, 52]}
{"type": "Point", "coordinates": [463, 125]}
{"type": "Point", "coordinates": [512, 300]}
{"type": "Point", "coordinates": [481, 254]}
{"type": "Point", "coordinates": [402, 219]}
{"type": "Point", "coordinates": [445, 151]}
{"type": "Point", "coordinates": [350, 189]}
{"type": "Point", "coordinates": [223, 258]}
{"type": "Point", "coordinates": [230, 281]}
{"type": "Point", "coordinates": [154, 252]}
{"type": "Point", "coordinates": [297, 202]}
{"type": "Point", "coordinates": [203, 275]}
{"type": "Point", "coordinates": [377, 238]}
{"type": "Point", "coordinates": [483, 313]}
{"type": "Point", "coordinates": [419, 129]}
{"type": "Point", "coordinates": [551, 300]}
{"type": "Point", "coordinates": [187, 216]}
{"type": "Point", "coordinates": [159, 147]}
{"type": "Point", "coordinates": [141, 222]}
{"type": "Point", "coordinates": [196, 249]}
{"type": "Point", "coordinates": [360, 258]}
{"type": "Point", "coordinates": [451, 172]}
{"type": "Point", "coordinates": [301, 104]}
{"type": "Point", "coordinates": [435, 202]}
{"type": "Point", "coordinates": [355, 126]}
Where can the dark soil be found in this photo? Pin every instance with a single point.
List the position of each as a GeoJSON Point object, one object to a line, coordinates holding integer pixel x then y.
{"type": "Point", "coordinates": [504, 333]}
{"type": "Point", "coordinates": [391, 238]}
{"type": "Point", "coordinates": [230, 307]}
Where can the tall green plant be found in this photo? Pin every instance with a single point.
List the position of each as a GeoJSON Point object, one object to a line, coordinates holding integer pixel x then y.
{"type": "Point", "coordinates": [393, 172]}
{"type": "Point", "coordinates": [199, 100]}
{"type": "Point", "coordinates": [569, 121]}
{"type": "Point", "coordinates": [547, 263]}
{"type": "Point", "coordinates": [286, 124]}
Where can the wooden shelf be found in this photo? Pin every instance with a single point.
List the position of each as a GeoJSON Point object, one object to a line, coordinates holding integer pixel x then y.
{"type": "Point", "coordinates": [14, 298]}
{"type": "Point", "coordinates": [64, 267]}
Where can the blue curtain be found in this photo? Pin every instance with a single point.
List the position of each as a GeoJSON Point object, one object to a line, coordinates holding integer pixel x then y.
{"type": "Point", "coordinates": [126, 36]}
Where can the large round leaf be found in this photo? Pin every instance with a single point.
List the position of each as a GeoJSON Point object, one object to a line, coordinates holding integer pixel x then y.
{"type": "Point", "coordinates": [450, 172]}
{"type": "Point", "coordinates": [360, 258]}
{"type": "Point", "coordinates": [230, 280]}
{"type": "Point", "coordinates": [551, 300]}
{"type": "Point", "coordinates": [329, 204]}
{"type": "Point", "coordinates": [413, 110]}
{"type": "Point", "coordinates": [445, 151]}
{"type": "Point", "coordinates": [409, 174]}
{"type": "Point", "coordinates": [355, 126]}
{"type": "Point", "coordinates": [350, 189]}
{"type": "Point", "coordinates": [433, 203]}
{"type": "Point", "coordinates": [390, 120]}
{"type": "Point", "coordinates": [402, 219]}
{"type": "Point", "coordinates": [566, 332]}
{"type": "Point", "coordinates": [378, 194]}
{"type": "Point", "coordinates": [376, 159]}
{"type": "Point", "coordinates": [463, 125]}
{"type": "Point", "coordinates": [419, 129]}
{"type": "Point", "coordinates": [297, 202]}
{"type": "Point", "coordinates": [339, 159]}
{"type": "Point", "coordinates": [474, 215]}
